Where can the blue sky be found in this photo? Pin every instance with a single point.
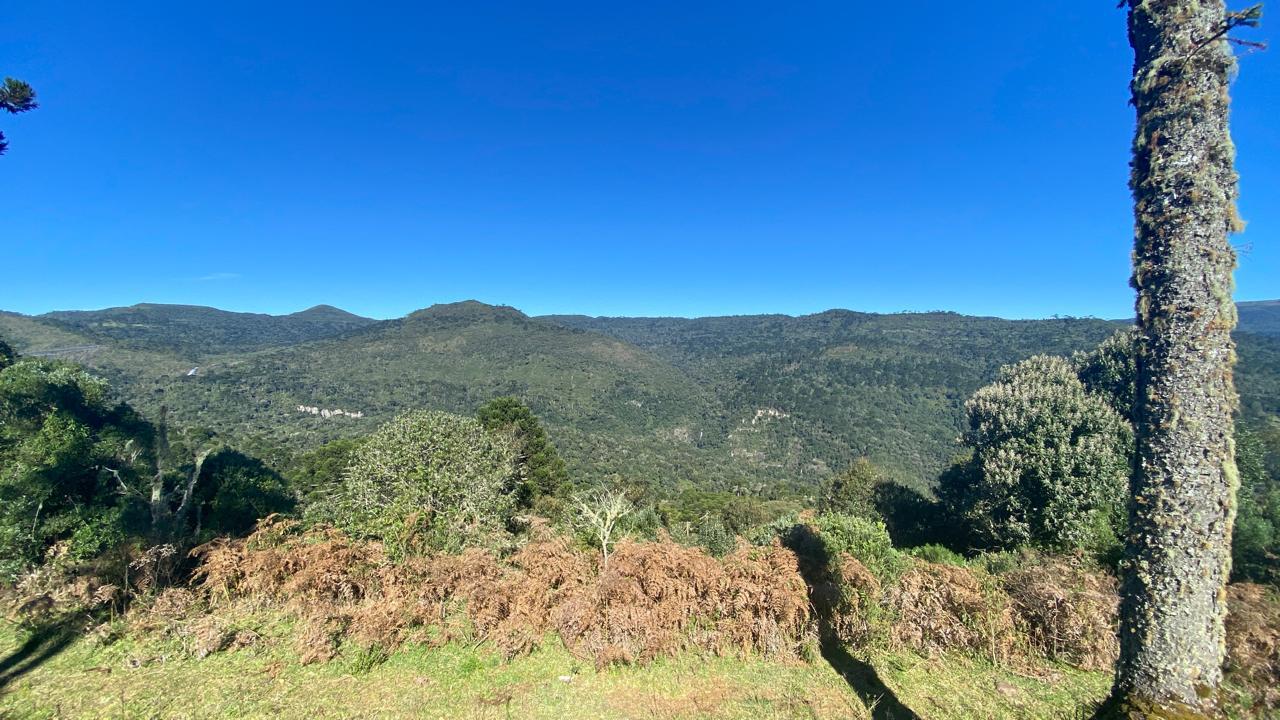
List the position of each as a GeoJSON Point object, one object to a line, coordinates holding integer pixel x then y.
{"type": "Point", "coordinates": [656, 158]}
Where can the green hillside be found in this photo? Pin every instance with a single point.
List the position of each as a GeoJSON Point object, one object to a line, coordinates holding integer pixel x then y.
{"type": "Point", "coordinates": [811, 393]}
{"type": "Point", "coordinates": [1261, 317]}
{"type": "Point", "coordinates": [720, 403]}
{"type": "Point", "coordinates": [204, 331]}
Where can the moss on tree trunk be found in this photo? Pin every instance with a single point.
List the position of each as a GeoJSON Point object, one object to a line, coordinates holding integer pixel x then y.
{"type": "Point", "coordinates": [1183, 504]}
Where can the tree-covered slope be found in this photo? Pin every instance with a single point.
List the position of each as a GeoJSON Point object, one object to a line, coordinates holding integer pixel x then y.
{"type": "Point", "coordinates": [712, 402]}
{"type": "Point", "coordinates": [611, 406]}
{"type": "Point", "coordinates": [811, 393]}
{"type": "Point", "coordinates": [1261, 317]}
{"type": "Point", "coordinates": [203, 331]}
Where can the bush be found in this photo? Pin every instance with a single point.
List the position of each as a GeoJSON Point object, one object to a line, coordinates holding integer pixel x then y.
{"type": "Point", "coordinates": [426, 480]}
{"type": "Point", "coordinates": [938, 554]}
{"type": "Point", "coordinates": [656, 599]}
{"type": "Point", "coordinates": [853, 491]}
{"type": "Point", "coordinates": [1050, 462]}
{"type": "Point", "coordinates": [864, 539]}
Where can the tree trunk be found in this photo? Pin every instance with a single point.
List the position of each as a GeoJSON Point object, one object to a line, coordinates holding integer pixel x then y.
{"type": "Point", "coordinates": [159, 508]}
{"type": "Point", "coordinates": [1183, 504]}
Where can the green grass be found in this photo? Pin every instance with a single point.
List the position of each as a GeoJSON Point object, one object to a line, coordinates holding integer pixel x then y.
{"type": "Point", "coordinates": [155, 678]}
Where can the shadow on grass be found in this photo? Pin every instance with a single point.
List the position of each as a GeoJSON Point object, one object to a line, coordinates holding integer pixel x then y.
{"type": "Point", "coordinates": [44, 641]}
{"type": "Point", "coordinates": [862, 678]}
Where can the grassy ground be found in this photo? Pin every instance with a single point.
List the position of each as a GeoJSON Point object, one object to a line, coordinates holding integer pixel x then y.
{"type": "Point", "coordinates": [155, 679]}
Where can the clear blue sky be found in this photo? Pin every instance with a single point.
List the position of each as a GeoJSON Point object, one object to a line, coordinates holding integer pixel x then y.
{"type": "Point", "coordinates": [659, 158]}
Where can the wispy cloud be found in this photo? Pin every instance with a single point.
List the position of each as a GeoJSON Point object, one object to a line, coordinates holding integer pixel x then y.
{"type": "Point", "coordinates": [220, 276]}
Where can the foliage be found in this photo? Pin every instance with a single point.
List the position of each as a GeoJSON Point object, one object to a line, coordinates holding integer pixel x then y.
{"type": "Point", "coordinates": [711, 535]}
{"type": "Point", "coordinates": [314, 474]}
{"type": "Point", "coordinates": [1109, 371]}
{"type": "Point", "coordinates": [864, 539]}
{"type": "Point", "coordinates": [1255, 544]}
{"type": "Point", "coordinates": [939, 554]}
{"type": "Point", "coordinates": [7, 355]}
{"type": "Point", "coordinates": [853, 491]}
{"type": "Point", "coordinates": [1050, 462]}
{"type": "Point", "coordinates": [15, 97]}
{"type": "Point", "coordinates": [545, 479]}
{"type": "Point", "coordinates": [235, 491]}
{"type": "Point", "coordinates": [426, 480]}
{"type": "Point", "coordinates": [914, 518]}
{"type": "Point", "coordinates": [70, 463]}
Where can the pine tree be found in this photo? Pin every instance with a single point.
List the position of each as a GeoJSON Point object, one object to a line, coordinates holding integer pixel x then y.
{"type": "Point", "coordinates": [15, 97]}
{"type": "Point", "coordinates": [1183, 491]}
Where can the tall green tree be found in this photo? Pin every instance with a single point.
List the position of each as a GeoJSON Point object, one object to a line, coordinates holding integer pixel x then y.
{"type": "Point", "coordinates": [70, 464]}
{"type": "Point", "coordinates": [546, 481]}
{"type": "Point", "coordinates": [1183, 491]}
{"type": "Point", "coordinates": [15, 97]}
{"type": "Point", "coordinates": [1049, 462]}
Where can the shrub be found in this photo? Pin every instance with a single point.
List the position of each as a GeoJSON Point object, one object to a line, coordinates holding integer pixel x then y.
{"type": "Point", "coordinates": [853, 491]}
{"type": "Point", "coordinates": [939, 608]}
{"type": "Point", "coordinates": [1069, 612]}
{"type": "Point", "coordinates": [426, 480]}
{"type": "Point", "coordinates": [938, 554]}
{"type": "Point", "coordinates": [864, 539]}
{"type": "Point", "coordinates": [1050, 462]}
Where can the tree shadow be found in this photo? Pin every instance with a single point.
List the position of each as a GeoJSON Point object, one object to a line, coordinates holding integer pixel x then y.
{"type": "Point", "coordinates": [45, 641]}
{"type": "Point", "coordinates": [815, 568]}
{"type": "Point", "coordinates": [866, 683]}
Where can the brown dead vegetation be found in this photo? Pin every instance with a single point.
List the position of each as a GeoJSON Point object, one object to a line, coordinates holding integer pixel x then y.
{"type": "Point", "coordinates": [939, 608]}
{"type": "Point", "coordinates": [1068, 612]}
{"type": "Point", "coordinates": [655, 598]}
{"type": "Point", "coordinates": [1253, 642]}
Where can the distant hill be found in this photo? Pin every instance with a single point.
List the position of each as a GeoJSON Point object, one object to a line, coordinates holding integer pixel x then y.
{"type": "Point", "coordinates": [729, 402]}
{"type": "Point", "coordinates": [204, 331]}
{"type": "Point", "coordinates": [1261, 317]}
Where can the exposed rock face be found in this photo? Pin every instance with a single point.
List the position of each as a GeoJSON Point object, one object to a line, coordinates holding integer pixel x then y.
{"type": "Point", "coordinates": [326, 413]}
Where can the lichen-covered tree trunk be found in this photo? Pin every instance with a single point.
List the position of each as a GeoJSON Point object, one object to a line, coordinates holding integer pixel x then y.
{"type": "Point", "coordinates": [1183, 504]}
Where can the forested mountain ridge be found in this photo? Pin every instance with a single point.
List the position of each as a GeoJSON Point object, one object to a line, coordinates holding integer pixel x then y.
{"type": "Point", "coordinates": [1260, 316]}
{"type": "Point", "coordinates": [730, 402]}
{"type": "Point", "coordinates": [202, 331]}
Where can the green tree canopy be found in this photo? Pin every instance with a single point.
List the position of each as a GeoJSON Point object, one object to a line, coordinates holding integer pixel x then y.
{"type": "Point", "coordinates": [426, 480]}
{"type": "Point", "coordinates": [71, 463]}
{"type": "Point", "coordinates": [853, 492]}
{"type": "Point", "coordinates": [1050, 461]}
{"type": "Point", "coordinates": [545, 476]}
{"type": "Point", "coordinates": [15, 97]}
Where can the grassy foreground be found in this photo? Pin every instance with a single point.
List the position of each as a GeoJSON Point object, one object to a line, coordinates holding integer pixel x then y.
{"type": "Point", "coordinates": [159, 679]}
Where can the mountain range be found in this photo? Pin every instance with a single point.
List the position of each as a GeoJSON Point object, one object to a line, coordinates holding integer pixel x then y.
{"type": "Point", "coordinates": [719, 403]}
